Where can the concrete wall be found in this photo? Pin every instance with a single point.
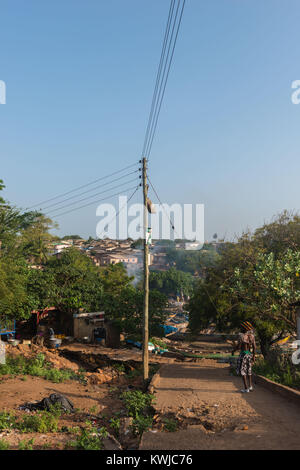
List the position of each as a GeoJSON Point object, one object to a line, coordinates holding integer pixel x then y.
{"type": "Point", "coordinates": [82, 328]}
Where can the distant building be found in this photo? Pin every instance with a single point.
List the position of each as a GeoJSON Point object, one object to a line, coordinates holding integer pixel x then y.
{"type": "Point", "coordinates": [102, 258]}
{"type": "Point", "coordinates": [60, 248]}
{"type": "Point", "coordinates": [193, 246]}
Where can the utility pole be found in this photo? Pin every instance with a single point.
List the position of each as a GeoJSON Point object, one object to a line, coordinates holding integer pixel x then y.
{"type": "Point", "coordinates": [146, 278]}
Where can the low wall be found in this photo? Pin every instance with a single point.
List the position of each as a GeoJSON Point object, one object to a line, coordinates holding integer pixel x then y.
{"type": "Point", "coordinates": [286, 392]}
{"type": "Point", "coordinates": [155, 380]}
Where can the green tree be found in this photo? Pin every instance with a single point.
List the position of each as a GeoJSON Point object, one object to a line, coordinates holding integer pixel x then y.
{"type": "Point", "coordinates": [14, 299]}
{"type": "Point", "coordinates": [269, 290]}
{"type": "Point", "coordinates": [35, 237]}
{"type": "Point", "coordinates": [114, 278]}
{"type": "Point", "coordinates": [126, 310]}
{"type": "Point", "coordinates": [172, 282]}
{"type": "Point", "coordinates": [251, 282]}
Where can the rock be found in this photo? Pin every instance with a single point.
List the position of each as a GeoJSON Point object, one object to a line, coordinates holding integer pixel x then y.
{"type": "Point", "coordinates": [111, 443]}
{"type": "Point", "coordinates": [127, 437]}
{"type": "Point", "coordinates": [132, 444]}
{"type": "Point", "coordinates": [125, 427]}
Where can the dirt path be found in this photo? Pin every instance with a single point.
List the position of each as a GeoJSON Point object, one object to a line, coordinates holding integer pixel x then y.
{"type": "Point", "coordinates": [205, 395]}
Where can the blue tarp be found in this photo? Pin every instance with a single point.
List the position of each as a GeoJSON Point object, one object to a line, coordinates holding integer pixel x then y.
{"type": "Point", "coordinates": [169, 329]}
{"type": "Point", "coordinates": [8, 328]}
{"type": "Point", "coordinates": [134, 343]}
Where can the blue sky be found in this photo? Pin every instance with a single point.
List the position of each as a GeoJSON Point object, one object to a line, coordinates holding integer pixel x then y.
{"type": "Point", "coordinates": [80, 78]}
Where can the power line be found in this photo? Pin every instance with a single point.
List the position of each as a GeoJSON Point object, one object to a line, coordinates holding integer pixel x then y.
{"type": "Point", "coordinates": [172, 4]}
{"type": "Point", "coordinates": [166, 59]}
{"type": "Point", "coordinates": [96, 202]}
{"type": "Point", "coordinates": [93, 195]}
{"type": "Point", "coordinates": [120, 210]}
{"type": "Point", "coordinates": [163, 208]}
{"type": "Point", "coordinates": [154, 127]}
{"type": "Point", "coordinates": [89, 190]}
{"type": "Point", "coordinates": [82, 186]}
{"type": "Point", "coordinates": [163, 77]}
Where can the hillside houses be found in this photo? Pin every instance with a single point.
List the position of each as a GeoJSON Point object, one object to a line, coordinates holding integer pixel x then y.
{"type": "Point", "coordinates": [109, 252]}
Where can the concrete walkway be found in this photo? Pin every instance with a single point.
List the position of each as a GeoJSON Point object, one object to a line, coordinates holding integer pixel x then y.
{"type": "Point", "coordinates": [208, 399]}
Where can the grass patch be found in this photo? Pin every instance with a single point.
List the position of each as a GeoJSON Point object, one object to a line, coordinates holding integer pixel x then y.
{"type": "Point", "coordinates": [37, 367]}
{"type": "Point", "coordinates": [42, 422]}
{"type": "Point", "coordinates": [26, 445]}
{"type": "Point", "coordinates": [170, 425]}
{"type": "Point", "coordinates": [4, 445]}
{"type": "Point", "coordinates": [88, 438]}
{"type": "Point", "coordinates": [7, 421]}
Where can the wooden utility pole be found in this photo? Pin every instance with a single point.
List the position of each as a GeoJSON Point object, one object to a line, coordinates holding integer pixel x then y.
{"type": "Point", "coordinates": [146, 278]}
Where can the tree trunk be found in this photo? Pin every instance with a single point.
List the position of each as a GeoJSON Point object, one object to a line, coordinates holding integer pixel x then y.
{"type": "Point", "coordinates": [265, 342]}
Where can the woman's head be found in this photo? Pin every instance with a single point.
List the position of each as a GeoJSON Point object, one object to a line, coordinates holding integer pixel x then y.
{"type": "Point", "coordinates": [246, 326]}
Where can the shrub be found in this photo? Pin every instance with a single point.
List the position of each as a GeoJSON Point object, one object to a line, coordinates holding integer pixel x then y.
{"type": "Point", "coordinates": [115, 424]}
{"type": "Point", "coordinates": [279, 368]}
{"type": "Point", "coordinates": [141, 424]}
{"type": "Point", "coordinates": [137, 402]}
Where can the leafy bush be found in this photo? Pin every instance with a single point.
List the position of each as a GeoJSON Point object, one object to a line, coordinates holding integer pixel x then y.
{"type": "Point", "coordinates": [132, 374]}
{"type": "Point", "coordinates": [141, 424]}
{"type": "Point", "coordinates": [115, 424]}
{"type": "Point", "coordinates": [170, 425]}
{"type": "Point", "coordinates": [279, 368]}
{"type": "Point", "coordinates": [137, 402]}
{"type": "Point", "coordinates": [119, 367]}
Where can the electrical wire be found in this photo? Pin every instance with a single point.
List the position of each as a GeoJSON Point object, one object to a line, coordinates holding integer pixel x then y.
{"type": "Point", "coordinates": [152, 134]}
{"type": "Point", "coordinates": [82, 186]}
{"type": "Point", "coordinates": [96, 202]}
{"type": "Point", "coordinates": [162, 80]}
{"type": "Point", "coordinates": [93, 195]}
{"type": "Point", "coordinates": [163, 208]}
{"type": "Point", "coordinates": [166, 59]}
{"type": "Point", "coordinates": [89, 190]}
{"type": "Point", "coordinates": [171, 9]}
{"type": "Point", "coordinates": [120, 210]}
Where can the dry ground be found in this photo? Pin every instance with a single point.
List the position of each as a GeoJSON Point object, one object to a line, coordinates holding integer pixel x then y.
{"type": "Point", "coordinates": [213, 414]}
